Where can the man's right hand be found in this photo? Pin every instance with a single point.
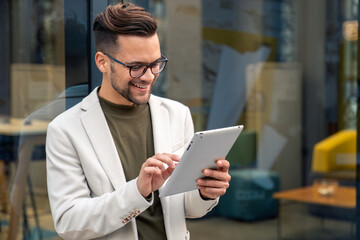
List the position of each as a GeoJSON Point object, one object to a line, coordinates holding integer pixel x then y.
{"type": "Point", "coordinates": [153, 173]}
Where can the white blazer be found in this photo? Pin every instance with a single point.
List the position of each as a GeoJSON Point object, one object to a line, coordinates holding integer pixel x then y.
{"type": "Point", "coordinates": [89, 196]}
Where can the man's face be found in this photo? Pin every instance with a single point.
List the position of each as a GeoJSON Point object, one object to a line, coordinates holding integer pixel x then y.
{"type": "Point", "coordinates": [134, 50]}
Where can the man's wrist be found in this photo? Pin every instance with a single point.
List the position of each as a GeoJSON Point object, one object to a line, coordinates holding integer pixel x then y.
{"type": "Point", "coordinates": [148, 197]}
{"type": "Point", "coordinates": [205, 198]}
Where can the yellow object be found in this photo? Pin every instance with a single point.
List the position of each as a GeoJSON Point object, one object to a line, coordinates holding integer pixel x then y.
{"type": "Point", "coordinates": [337, 152]}
{"type": "Point", "coordinates": [240, 41]}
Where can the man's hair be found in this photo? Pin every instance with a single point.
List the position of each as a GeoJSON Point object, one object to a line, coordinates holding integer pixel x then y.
{"type": "Point", "coordinates": [121, 19]}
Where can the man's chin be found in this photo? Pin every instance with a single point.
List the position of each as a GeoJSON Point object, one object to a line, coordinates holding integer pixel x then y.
{"type": "Point", "coordinates": [140, 100]}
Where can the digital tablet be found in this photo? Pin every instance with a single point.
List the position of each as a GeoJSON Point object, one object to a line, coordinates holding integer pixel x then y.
{"type": "Point", "coordinates": [202, 152]}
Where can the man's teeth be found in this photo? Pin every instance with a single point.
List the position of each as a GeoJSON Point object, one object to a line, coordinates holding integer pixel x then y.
{"type": "Point", "coordinates": [138, 86]}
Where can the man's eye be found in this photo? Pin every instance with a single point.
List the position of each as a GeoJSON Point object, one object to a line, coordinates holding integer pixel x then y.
{"type": "Point", "coordinates": [136, 67]}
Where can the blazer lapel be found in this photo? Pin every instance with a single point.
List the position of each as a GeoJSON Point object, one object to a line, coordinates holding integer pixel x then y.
{"type": "Point", "coordinates": [162, 144]}
{"type": "Point", "coordinates": [161, 126]}
{"type": "Point", "coordinates": [99, 134]}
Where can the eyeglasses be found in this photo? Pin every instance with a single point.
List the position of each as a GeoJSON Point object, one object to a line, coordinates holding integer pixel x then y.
{"type": "Point", "coordinates": [139, 70]}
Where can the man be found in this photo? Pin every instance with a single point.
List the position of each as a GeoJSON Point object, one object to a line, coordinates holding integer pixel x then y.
{"type": "Point", "coordinates": [108, 156]}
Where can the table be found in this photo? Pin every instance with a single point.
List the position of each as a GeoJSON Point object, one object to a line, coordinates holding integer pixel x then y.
{"type": "Point", "coordinates": [30, 134]}
{"type": "Point", "coordinates": [344, 197]}
{"type": "Point", "coordinates": [18, 126]}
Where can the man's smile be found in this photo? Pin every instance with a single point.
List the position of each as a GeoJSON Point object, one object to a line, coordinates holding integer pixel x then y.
{"type": "Point", "coordinates": [140, 86]}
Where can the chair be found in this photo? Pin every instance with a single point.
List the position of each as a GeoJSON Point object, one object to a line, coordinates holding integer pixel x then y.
{"type": "Point", "coordinates": [249, 196]}
{"type": "Point", "coordinates": [335, 157]}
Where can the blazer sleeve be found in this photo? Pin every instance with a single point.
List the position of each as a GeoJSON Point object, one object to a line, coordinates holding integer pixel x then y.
{"type": "Point", "coordinates": [77, 214]}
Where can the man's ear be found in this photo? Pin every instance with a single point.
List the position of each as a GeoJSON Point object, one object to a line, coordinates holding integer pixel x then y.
{"type": "Point", "coordinates": [101, 61]}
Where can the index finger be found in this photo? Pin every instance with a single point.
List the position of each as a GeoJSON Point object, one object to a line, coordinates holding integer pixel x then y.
{"type": "Point", "coordinates": [173, 157]}
{"type": "Point", "coordinates": [167, 158]}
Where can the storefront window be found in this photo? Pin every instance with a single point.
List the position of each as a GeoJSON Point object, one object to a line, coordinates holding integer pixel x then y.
{"type": "Point", "coordinates": [285, 69]}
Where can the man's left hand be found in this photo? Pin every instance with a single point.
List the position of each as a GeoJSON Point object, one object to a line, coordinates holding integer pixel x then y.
{"type": "Point", "coordinates": [216, 181]}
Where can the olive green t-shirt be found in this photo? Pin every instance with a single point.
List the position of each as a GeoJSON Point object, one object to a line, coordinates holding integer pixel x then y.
{"type": "Point", "coordinates": [131, 130]}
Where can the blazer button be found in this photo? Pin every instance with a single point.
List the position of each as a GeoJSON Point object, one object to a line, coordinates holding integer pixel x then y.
{"type": "Point", "coordinates": [124, 221]}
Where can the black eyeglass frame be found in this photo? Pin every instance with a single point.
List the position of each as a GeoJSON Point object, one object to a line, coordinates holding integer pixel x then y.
{"type": "Point", "coordinates": [163, 59]}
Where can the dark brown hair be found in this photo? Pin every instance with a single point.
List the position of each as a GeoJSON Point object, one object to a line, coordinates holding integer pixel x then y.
{"type": "Point", "coordinates": [121, 19]}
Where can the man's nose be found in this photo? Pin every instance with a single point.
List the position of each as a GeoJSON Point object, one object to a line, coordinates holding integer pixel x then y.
{"type": "Point", "coordinates": [148, 75]}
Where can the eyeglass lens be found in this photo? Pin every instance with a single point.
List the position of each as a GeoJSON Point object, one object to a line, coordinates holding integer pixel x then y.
{"type": "Point", "coordinates": [138, 71]}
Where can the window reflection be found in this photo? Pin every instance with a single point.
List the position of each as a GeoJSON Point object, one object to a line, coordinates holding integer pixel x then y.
{"type": "Point", "coordinates": [37, 54]}
{"type": "Point", "coordinates": [284, 70]}
{"type": "Point", "coordinates": [37, 79]}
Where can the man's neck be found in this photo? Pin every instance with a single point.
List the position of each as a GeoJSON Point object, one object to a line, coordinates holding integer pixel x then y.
{"type": "Point", "coordinates": [113, 96]}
